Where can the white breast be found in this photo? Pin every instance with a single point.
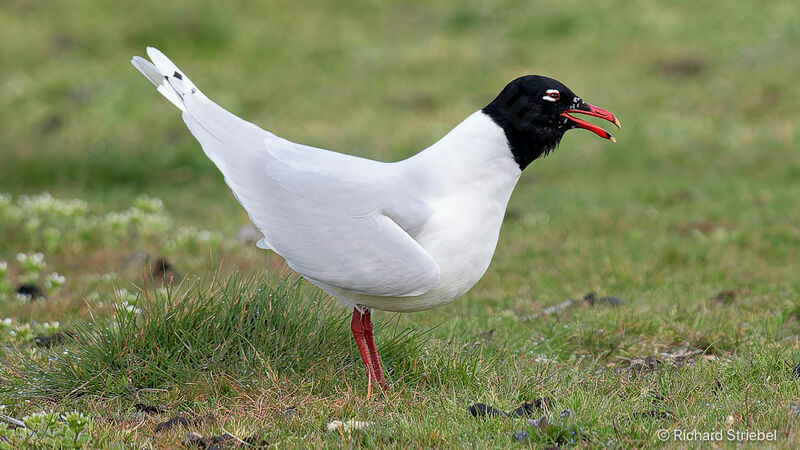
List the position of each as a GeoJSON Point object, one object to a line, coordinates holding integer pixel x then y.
{"type": "Point", "coordinates": [467, 178]}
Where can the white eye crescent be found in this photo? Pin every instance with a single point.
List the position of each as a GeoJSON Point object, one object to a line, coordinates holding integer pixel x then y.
{"type": "Point", "coordinates": [552, 95]}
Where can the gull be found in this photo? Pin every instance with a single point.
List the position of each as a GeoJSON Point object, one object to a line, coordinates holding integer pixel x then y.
{"type": "Point", "coordinates": [403, 236]}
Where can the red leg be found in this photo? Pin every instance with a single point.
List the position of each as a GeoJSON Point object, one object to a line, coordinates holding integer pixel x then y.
{"type": "Point", "coordinates": [357, 327]}
{"type": "Point", "coordinates": [366, 319]}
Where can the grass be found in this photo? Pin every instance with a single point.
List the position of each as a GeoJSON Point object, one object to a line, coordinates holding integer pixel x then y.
{"type": "Point", "coordinates": [698, 198]}
{"type": "Point", "coordinates": [244, 330]}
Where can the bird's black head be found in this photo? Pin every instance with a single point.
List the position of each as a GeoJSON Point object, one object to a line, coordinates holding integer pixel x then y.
{"type": "Point", "coordinates": [534, 112]}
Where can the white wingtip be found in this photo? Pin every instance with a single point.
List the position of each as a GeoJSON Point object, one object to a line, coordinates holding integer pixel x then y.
{"type": "Point", "coordinates": [159, 74]}
{"type": "Point", "coordinates": [164, 64]}
{"type": "Point", "coordinates": [147, 69]}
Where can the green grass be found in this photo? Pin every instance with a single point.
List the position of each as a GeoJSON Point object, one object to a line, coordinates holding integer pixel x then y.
{"type": "Point", "coordinates": [699, 196]}
{"type": "Point", "coordinates": [244, 330]}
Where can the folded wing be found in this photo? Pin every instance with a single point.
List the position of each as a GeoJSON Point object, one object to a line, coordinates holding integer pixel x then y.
{"type": "Point", "coordinates": [336, 219]}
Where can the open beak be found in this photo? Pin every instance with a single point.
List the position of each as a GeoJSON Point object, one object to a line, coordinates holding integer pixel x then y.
{"type": "Point", "coordinates": [593, 111]}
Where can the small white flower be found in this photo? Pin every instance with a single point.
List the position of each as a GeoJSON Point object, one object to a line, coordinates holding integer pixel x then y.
{"type": "Point", "coordinates": [5, 327]}
{"type": "Point", "coordinates": [50, 327]}
{"type": "Point", "coordinates": [76, 421]}
{"type": "Point", "coordinates": [350, 425]}
{"type": "Point", "coordinates": [149, 204]}
{"type": "Point", "coordinates": [125, 296]}
{"type": "Point", "coordinates": [54, 281]}
{"type": "Point", "coordinates": [22, 332]}
{"type": "Point", "coordinates": [32, 264]}
{"type": "Point", "coordinates": [131, 308]}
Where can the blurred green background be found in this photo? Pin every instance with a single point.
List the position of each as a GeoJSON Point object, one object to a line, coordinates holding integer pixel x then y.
{"type": "Point", "coordinates": [704, 90]}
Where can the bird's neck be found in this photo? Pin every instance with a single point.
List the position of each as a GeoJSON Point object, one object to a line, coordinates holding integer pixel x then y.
{"type": "Point", "coordinates": [475, 153]}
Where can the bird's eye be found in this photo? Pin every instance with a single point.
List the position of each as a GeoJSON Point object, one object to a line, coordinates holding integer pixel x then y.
{"type": "Point", "coordinates": [551, 95]}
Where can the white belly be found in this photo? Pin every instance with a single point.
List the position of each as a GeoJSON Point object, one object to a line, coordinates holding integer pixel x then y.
{"type": "Point", "coordinates": [461, 237]}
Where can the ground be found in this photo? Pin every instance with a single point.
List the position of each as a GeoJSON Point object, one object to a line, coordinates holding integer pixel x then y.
{"type": "Point", "coordinates": [691, 219]}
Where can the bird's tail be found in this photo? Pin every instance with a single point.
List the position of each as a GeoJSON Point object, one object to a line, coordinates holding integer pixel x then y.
{"type": "Point", "coordinates": [198, 110]}
{"type": "Point", "coordinates": [170, 81]}
{"type": "Point", "coordinates": [236, 147]}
